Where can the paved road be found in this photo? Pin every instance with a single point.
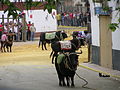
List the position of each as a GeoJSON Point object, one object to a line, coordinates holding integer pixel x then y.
{"type": "Point", "coordinates": [44, 77]}
{"type": "Point", "coordinates": [30, 68]}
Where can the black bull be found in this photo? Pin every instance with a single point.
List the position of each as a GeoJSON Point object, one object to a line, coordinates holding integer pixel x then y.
{"type": "Point", "coordinates": [58, 37]}
{"type": "Point", "coordinates": [7, 43]}
{"type": "Point", "coordinates": [56, 47]}
{"type": "Point", "coordinates": [67, 69]}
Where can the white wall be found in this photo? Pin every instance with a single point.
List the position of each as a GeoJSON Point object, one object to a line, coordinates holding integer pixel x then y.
{"type": "Point", "coordinates": [43, 20]}
{"type": "Point", "coordinates": [116, 40]}
{"type": "Point", "coordinates": [116, 34]}
{"type": "Point", "coordinates": [5, 15]}
{"type": "Point", "coordinates": [94, 25]}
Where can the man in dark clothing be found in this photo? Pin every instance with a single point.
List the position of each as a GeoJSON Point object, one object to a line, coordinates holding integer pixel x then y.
{"type": "Point", "coordinates": [1, 29]}
{"type": "Point", "coordinates": [28, 31]}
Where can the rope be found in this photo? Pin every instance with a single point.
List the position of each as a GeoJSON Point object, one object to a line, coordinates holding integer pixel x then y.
{"type": "Point", "coordinates": [86, 82]}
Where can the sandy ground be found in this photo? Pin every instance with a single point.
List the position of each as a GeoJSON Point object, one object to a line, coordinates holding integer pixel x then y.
{"type": "Point", "coordinates": [28, 53]}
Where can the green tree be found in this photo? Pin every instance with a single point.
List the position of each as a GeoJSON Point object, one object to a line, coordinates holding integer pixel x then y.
{"type": "Point", "coordinates": [12, 9]}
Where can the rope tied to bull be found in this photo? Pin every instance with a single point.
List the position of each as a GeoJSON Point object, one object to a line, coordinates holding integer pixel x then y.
{"type": "Point", "coordinates": [67, 66]}
{"type": "Point", "coordinates": [86, 82]}
{"type": "Point", "coordinates": [68, 60]}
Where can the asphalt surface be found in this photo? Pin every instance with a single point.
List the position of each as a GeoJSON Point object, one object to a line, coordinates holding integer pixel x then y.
{"type": "Point", "coordinates": [30, 68]}
{"type": "Point", "coordinates": [44, 77]}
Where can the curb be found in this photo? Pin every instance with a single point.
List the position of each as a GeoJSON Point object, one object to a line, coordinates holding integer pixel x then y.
{"type": "Point", "coordinates": [86, 67]}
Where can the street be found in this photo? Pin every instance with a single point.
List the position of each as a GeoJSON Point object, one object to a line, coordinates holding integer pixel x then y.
{"type": "Point", "coordinates": [30, 68]}
{"type": "Point", "coordinates": [44, 77]}
{"type": "Point", "coordinates": [93, 28]}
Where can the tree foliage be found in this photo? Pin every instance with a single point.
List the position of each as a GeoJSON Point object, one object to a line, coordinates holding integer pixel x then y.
{"type": "Point", "coordinates": [12, 9]}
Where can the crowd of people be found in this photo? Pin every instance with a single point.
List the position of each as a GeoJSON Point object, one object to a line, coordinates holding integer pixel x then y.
{"type": "Point", "coordinates": [17, 29]}
{"type": "Point", "coordinates": [73, 19]}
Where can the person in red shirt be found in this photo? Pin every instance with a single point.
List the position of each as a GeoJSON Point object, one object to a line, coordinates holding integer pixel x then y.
{"type": "Point", "coordinates": [1, 29]}
{"type": "Point", "coordinates": [71, 19]}
{"type": "Point", "coordinates": [28, 31]}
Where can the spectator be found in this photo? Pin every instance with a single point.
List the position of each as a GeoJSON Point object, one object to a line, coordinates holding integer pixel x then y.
{"type": "Point", "coordinates": [62, 19]}
{"type": "Point", "coordinates": [85, 20]}
{"type": "Point", "coordinates": [81, 19]}
{"type": "Point", "coordinates": [71, 19]}
{"type": "Point", "coordinates": [1, 29]}
{"type": "Point", "coordinates": [78, 19]}
{"type": "Point", "coordinates": [32, 29]}
{"type": "Point", "coordinates": [28, 31]}
{"type": "Point", "coordinates": [58, 17]}
{"type": "Point", "coordinates": [4, 37]}
{"type": "Point", "coordinates": [6, 28]}
{"type": "Point", "coordinates": [16, 32]}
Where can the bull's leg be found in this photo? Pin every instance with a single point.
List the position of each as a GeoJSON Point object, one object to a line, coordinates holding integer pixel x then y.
{"type": "Point", "coordinates": [63, 80]}
{"type": "Point", "coordinates": [60, 81]}
{"type": "Point", "coordinates": [42, 45]}
{"type": "Point", "coordinates": [39, 43]}
{"type": "Point", "coordinates": [72, 81]}
{"type": "Point", "coordinates": [55, 54]}
{"type": "Point", "coordinates": [4, 47]}
{"type": "Point", "coordinates": [59, 76]}
{"type": "Point", "coordinates": [7, 48]}
{"type": "Point", "coordinates": [68, 81]}
{"type": "Point", "coordinates": [45, 45]}
{"type": "Point", "coordinates": [10, 48]}
{"type": "Point", "coordinates": [1, 47]}
{"type": "Point", "coordinates": [51, 54]}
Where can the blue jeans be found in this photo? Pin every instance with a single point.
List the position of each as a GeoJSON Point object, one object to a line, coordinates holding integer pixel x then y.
{"type": "Point", "coordinates": [32, 36]}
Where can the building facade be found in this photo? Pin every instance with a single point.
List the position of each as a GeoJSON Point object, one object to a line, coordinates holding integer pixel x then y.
{"type": "Point", "coordinates": [72, 6]}
{"type": "Point", "coordinates": [105, 43]}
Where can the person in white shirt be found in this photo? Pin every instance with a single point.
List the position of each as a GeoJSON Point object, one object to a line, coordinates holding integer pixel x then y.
{"type": "Point", "coordinates": [33, 30]}
{"type": "Point", "coordinates": [16, 32]}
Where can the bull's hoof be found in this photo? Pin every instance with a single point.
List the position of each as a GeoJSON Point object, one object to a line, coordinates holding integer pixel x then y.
{"type": "Point", "coordinates": [72, 85]}
{"type": "Point", "coordinates": [68, 85]}
{"type": "Point", "coordinates": [64, 84]}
